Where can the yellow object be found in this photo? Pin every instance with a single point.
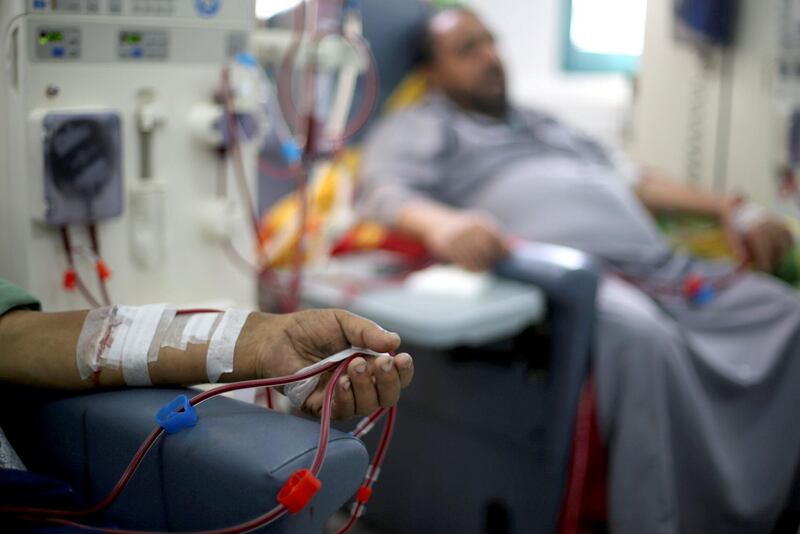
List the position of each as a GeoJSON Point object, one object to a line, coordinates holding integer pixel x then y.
{"type": "Point", "coordinates": [410, 91]}
{"type": "Point", "coordinates": [328, 199]}
{"type": "Point", "coordinates": [329, 196]}
{"type": "Point", "coordinates": [369, 235]}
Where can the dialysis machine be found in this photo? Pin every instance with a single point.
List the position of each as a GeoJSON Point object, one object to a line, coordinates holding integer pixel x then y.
{"type": "Point", "coordinates": [111, 133]}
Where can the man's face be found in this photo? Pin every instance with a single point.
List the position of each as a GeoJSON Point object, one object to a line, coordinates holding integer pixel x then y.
{"type": "Point", "coordinates": [465, 63]}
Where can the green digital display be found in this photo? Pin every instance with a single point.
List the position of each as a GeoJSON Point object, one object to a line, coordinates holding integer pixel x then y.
{"type": "Point", "coordinates": [50, 37]}
{"type": "Point", "coordinates": [131, 38]}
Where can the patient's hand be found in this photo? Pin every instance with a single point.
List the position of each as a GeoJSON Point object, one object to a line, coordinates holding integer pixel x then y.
{"type": "Point", "coordinates": [763, 239]}
{"type": "Point", "coordinates": [467, 239]}
{"type": "Point", "coordinates": [769, 241]}
{"type": "Point", "coordinates": [284, 344]}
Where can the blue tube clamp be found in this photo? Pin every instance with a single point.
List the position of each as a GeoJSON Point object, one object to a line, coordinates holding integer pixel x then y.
{"type": "Point", "coordinates": [177, 415]}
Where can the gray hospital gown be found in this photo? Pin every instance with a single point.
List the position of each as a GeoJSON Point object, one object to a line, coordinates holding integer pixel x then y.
{"type": "Point", "coordinates": [699, 404]}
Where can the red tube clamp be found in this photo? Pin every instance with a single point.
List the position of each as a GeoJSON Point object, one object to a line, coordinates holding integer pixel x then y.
{"type": "Point", "coordinates": [70, 279]}
{"type": "Point", "coordinates": [102, 270]}
{"type": "Point", "coordinates": [363, 494]}
{"type": "Point", "coordinates": [299, 490]}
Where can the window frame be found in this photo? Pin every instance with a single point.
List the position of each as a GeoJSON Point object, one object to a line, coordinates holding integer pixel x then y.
{"type": "Point", "coordinates": [579, 61]}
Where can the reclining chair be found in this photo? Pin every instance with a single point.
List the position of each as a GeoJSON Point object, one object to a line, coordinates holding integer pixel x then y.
{"type": "Point", "coordinates": [224, 471]}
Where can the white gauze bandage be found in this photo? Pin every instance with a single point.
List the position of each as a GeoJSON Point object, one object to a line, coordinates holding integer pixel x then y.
{"type": "Point", "coordinates": [747, 215]}
{"type": "Point", "coordinates": [124, 337]}
{"type": "Point", "coordinates": [140, 335]}
{"type": "Point", "coordinates": [130, 338]}
{"type": "Point", "coordinates": [219, 359]}
{"type": "Point", "coordinates": [298, 392]}
{"type": "Point", "coordinates": [195, 328]}
{"type": "Point", "coordinates": [93, 338]}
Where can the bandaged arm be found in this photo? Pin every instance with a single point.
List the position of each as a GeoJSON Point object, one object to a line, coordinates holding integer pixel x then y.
{"type": "Point", "coordinates": [39, 349]}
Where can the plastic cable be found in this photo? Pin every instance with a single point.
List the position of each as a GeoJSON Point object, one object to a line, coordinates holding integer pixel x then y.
{"type": "Point", "coordinates": [220, 349]}
{"type": "Point", "coordinates": [298, 392]}
{"type": "Point", "coordinates": [363, 428]}
{"type": "Point", "coordinates": [363, 494]}
{"type": "Point", "coordinates": [357, 509]}
{"type": "Point", "coordinates": [372, 475]}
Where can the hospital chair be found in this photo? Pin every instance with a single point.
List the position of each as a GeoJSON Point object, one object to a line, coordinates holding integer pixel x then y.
{"type": "Point", "coordinates": [484, 435]}
{"type": "Point", "coordinates": [225, 470]}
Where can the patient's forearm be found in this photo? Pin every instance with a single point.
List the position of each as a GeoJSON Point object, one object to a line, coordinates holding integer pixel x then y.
{"type": "Point", "coordinates": [419, 217]}
{"type": "Point", "coordinates": [661, 195]}
{"type": "Point", "coordinates": [39, 349]}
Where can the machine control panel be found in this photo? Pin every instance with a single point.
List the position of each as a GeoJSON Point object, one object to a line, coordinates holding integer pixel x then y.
{"type": "Point", "coordinates": [156, 8]}
{"type": "Point", "coordinates": [56, 42]}
{"type": "Point", "coordinates": [143, 44]}
{"type": "Point", "coordinates": [202, 9]}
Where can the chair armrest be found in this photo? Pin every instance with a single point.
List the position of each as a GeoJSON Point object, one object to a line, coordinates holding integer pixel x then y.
{"type": "Point", "coordinates": [569, 278]}
{"type": "Point", "coordinates": [225, 470]}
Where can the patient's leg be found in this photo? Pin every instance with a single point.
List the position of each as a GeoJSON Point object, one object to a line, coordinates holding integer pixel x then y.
{"type": "Point", "coordinates": [635, 342]}
{"type": "Point", "coordinates": [700, 407]}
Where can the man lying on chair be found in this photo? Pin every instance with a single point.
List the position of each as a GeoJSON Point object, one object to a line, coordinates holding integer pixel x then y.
{"type": "Point", "coordinates": [697, 389]}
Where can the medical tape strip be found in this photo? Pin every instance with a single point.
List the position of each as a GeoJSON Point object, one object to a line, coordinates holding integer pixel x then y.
{"type": "Point", "coordinates": [198, 329]}
{"type": "Point", "coordinates": [114, 338]}
{"type": "Point", "coordinates": [144, 323]}
{"type": "Point", "coordinates": [95, 328]}
{"type": "Point", "coordinates": [161, 332]}
{"type": "Point", "coordinates": [363, 427]}
{"type": "Point", "coordinates": [174, 333]}
{"type": "Point", "coordinates": [219, 358]}
{"type": "Point", "coordinates": [298, 392]}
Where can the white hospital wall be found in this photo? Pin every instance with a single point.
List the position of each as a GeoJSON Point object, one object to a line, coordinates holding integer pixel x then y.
{"type": "Point", "coordinates": [669, 125]}
{"type": "Point", "coordinates": [530, 38]}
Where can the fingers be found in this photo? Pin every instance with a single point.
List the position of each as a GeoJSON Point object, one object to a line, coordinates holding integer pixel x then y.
{"type": "Point", "coordinates": [370, 384]}
{"type": "Point", "coordinates": [364, 391]}
{"type": "Point", "coordinates": [405, 368]}
{"type": "Point", "coordinates": [361, 332]}
{"type": "Point", "coordinates": [344, 404]}
{"type": "Point", "coordinates": [769, 242]}
{"type": "Point", "coordinates": [470, 240]}
{"type": "Point", "coordinates": [387, 381]}
{"type": "Point", "coordinates": [760, 249]}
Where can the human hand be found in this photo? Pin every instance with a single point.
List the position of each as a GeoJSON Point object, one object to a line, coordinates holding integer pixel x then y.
{"type": "Point", "coordinates": [467, 239]}
{"type": "Point", "coordinates": [280, 345]}
{"type": "Point", "coordinates": [752, 233]}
